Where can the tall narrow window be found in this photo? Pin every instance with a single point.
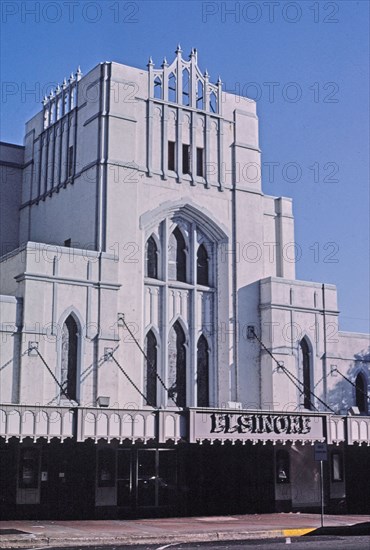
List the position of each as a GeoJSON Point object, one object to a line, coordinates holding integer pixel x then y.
{"type": "Point", "coordinates": [73, 97]}
{"type": "Point", "coordinates": [69, 357]}
{"type": "Point", "coordinates": [185, 87]}
{"type": "Point", "coordinates": [59, 108]}
{"type": "Point", "coordinates": [200, 163]}
{"type": "Point", "coordinates": [177, 366]}
{"type": "Point", "coordinates": [151, 263]}
{"type": "Point", "coordinates": [202, 266]}
{"type": "Point", "coordinates": [361, 393]}
{"type": "Point", "coordinates": [70, 161]}
{"type": "Point", "coordinates": [202, 373]}
{"type": "Point", "coordinates": [186, 159]}
{"type": "Point", "coordinates": [158, 88]}
{"type": "Point", "coordinates": [213, 102]}
{"type": "Point", "coordinates": [171, 156]}
{"type": "Point", "coordinates": [172, 88]}
{"type": "Point", "coordinates": [151, 368]}
{"type": "Point", "coordinates": [52, 113]}
{"type": "Point", "coordinates": [306, 374]}
{"type": "Point", "coordinates": [46, 118]}
{"type": "Point", "coordinates": [66, 102]}
{"type": "Point", "coordinates": [200, 102]}
{"type": "Point", "coordinates": [177, 256]}
{"type": "Point", "coordinates": [337, 473]}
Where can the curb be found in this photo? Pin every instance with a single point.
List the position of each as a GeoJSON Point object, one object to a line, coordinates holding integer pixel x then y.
{"type": "Point", "coordinates": [30, 541]}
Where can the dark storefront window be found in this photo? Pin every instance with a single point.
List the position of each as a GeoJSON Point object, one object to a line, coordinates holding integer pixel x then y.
{"type": "Point", "coordinates": [282, 467]}
{"type": "Point", "coordinates": [29, 465]}
{"type": "Point", "coordinates": [106, 468]}
{"type": "Point", "coordinates": [336, 467]}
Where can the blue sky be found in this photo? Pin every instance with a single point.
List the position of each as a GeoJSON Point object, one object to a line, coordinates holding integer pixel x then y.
{"type": "Point", "coordinates": [306, 64]}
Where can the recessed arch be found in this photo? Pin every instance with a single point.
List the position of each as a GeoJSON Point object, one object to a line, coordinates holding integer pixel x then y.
{"type": "Point", "coordinates": [212, 228]}
{"type": "Point", "coordinates": [151, 258]}
{"type": "Point", "coordinates": [305, 353]}
{"type": "Point", "coordinates": [177, 257]}
{"type": "Point", "coordinates": [202, 265]}
{"type": "Point", "coordinates": [69, 357]}
{"type": "Point", "coordinates": [75, 323]}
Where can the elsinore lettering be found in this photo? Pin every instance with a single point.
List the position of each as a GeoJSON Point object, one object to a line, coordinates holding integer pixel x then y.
{"type": "Point", "coordinates": [259, 423]}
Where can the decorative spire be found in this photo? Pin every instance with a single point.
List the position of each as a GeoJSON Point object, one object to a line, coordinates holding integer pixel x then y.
{"type": "Point", "coordinates": [45, 100]}
{"type": "Point", "coordinates": [58, 89]}
{"type": "Point", "coordinates": [51, 95]}
{"type": "Point", "coordinates": [150, 62]}
{"type": "Point", "coordinates": [64, 83]}
{"type": "Point", "coordinates": [164, 63]}
{"type": "Point", "coordinates": [178, 50]}
{"type": "Point", "coordinates": [194, 54]}
{"type": "Point", "coordinates": [206, 75]}
{"type": "Point", "coordinates": [78, 73]}
{"type": "Point", "coordinates": [71, 78]}
{"type": "Point", "coordinates": [219, 81]}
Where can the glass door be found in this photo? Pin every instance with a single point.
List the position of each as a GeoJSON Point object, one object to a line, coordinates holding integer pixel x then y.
{"type": "Point", "coordinates": [124, 479]}
{"type": "Point", "coordinates": [146, 477]}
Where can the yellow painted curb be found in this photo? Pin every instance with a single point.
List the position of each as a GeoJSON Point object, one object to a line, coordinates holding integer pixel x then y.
{"type": "Point", "coordinates": [297, 532]}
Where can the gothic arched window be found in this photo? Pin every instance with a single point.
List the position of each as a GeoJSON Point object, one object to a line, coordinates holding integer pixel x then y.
{"type": "Point", "coordinates": [172, 88]}
{"type": "Point", "coordinates": [158, 88]}
{"type": "Point", "coordinates": [151, 259]}
{"type": "Point", "coordinates": [185, 87]}
{"type": "Point", "coordinates": [177, 365]}
{"type": "Point", "coordinates": [202, 372]}
{"type": "Point", "coordinates": [202, 266]}
{"type": "Point", "coordinates": [177, 256]}
{"type": "Point", "coordinates": [361, 393]}
{"type": "Point", "coordinates": [306, 368]}
{"type": "Point", "coordinates": [151, 368]}
{"type": "Point", "coordinates": [200, 94]}
{"type": "Point", "coordinates": [69, 357]}
{"type": "Point", "coordinates": [213, 102]}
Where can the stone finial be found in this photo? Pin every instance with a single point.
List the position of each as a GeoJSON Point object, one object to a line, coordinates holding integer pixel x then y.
{"type": "Point", "coordinates": [194, 54]}
{"type": "Point", "coordinates": [45, 100]}
{"type": "Point", "coordinates": [219, 81]}
{"type": "Point", "coordinates": [178, 50]}
{"type": "Point", "coordinates": [64, 85]}
{"type": "Point", "coordinates": [150, 62]}
{"type": "Point", "coordinates": [206, 75]}
{"type": "Point", "coordinates": [51, 95]}
{"type": "Point", "coordinates": [71, 78]}
{"type": "Point", "coordinates": [164, 63]}
{"type": "Point", "coordinates": [78, 73]}
{"type": "Point", "coordinates": [58, 89]}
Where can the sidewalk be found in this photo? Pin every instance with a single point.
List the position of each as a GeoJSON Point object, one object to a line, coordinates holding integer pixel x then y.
{"type": "Point", "coordinates": [171, 530]}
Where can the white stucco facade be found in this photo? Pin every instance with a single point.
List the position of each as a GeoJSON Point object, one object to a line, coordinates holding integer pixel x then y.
{"type": "Point", "coordinates": [115, 158]}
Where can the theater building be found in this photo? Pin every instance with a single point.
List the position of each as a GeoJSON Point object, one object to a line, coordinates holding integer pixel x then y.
{"type": "Point", "coordinates": [158, 355]}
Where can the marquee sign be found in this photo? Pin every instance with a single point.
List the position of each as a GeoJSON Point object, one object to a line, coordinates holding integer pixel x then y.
{"type": "Point", "coordinates": [245, 425]}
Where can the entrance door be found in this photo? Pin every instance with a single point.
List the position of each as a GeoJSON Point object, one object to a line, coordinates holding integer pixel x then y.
{"type": "Point", "coordinates": [146, 481]}
{"type": "Point", "coordinates": [147, 478]}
